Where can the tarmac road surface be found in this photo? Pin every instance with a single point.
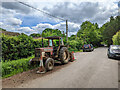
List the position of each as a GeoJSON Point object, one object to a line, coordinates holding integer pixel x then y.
{"type": "Point", "coordinates": [90, 70]}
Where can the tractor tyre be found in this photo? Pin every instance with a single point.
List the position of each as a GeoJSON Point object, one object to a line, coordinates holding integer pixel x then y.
{"type": "Point", "coordinates": [64, 55]}
{"type": "Point", "coordinates": [49, 64]}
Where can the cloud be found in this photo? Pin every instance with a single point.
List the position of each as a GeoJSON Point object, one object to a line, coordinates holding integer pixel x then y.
{"type": "Point", "coordinates": [26, 30]}
{"type": "Point", "coordinates": [17, 7]}
{"type": "Point", "coordinates": [7, 27]}
{"type": "Point", "coordinates": [40, 27]}
{"type": "Point", "coordinates": [13, 21]}
{"type": "Point", "coordinates": [79, 12]}
{"type": "Point", "coordinates": [19, 18]}
{"type": "Point", "coordinates": [119, 8]}
{"type": "Point", "coordinates": [72, 28]}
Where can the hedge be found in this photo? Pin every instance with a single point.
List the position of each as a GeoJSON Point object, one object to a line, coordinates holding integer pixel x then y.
{"type": "Point", "coordinates": [17, 47]}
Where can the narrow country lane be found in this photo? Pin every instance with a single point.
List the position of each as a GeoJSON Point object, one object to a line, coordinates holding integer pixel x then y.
{"type": "Point", "coordinates": [90, 70]}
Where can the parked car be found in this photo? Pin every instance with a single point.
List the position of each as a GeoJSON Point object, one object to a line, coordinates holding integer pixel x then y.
{"type": "Point", "coordinates": [114, 51]}
{"type": "Point", "coordinates": [88, 47]}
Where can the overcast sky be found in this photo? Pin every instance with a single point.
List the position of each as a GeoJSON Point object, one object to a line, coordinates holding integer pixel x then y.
{"type": "Point", "coordinates": [16, 17]}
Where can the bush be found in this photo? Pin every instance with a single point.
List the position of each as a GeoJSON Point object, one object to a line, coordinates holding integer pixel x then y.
{"type": "Point", "coordinates": [73, 45]}
{"type": "Point", "coordinates": [17, 47]}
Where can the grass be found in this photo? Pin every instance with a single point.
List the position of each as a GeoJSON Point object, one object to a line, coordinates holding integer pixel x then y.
{"type": "Point", "coordinates": [11, 68]}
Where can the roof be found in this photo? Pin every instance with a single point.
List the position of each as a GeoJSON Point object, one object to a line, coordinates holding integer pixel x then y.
{"type": "Point", "coordinates": [52, 37]}
{"type": "Point", "coordinates": [10, 33]}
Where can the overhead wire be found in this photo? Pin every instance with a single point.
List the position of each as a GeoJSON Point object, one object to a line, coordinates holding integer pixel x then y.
{"type": "Point", "coordinates": [40, 10]}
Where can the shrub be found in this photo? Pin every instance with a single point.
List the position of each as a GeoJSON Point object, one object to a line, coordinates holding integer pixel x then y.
{"type": "Point", "coordinates": [17, 47]}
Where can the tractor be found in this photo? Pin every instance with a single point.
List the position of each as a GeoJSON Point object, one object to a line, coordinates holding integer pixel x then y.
{"type": "Point", "coordinates": [46, 56]}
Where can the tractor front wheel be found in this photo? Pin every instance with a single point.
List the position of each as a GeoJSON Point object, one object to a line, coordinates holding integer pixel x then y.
{"type": "Point", "coordinates": [49, 64]}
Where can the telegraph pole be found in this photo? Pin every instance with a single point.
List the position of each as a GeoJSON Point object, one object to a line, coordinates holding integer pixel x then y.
{"type": "Point", "coordinates": [63, 34]}
{"type": "Point", "coordinates": [66, 31]}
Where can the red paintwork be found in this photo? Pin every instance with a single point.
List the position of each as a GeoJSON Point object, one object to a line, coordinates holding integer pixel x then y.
{"type": "Point", "coordinates": [46, 49]}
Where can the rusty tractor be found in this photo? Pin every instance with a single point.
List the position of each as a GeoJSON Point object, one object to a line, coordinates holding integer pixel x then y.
{"type": "Point", "coordinates": [46, 56]}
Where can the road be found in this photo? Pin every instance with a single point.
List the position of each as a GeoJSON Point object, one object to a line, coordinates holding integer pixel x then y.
{"type": "Point", "coordinates": [90, 70]}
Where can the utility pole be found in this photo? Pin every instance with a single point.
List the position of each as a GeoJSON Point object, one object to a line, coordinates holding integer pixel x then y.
{"type": "Point", "coordinates": [63, 34]}
{"type": "Point", "coordinates": [66, 31]}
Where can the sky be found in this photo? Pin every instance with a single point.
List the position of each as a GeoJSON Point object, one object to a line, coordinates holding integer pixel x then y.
{"type": "Point", "coordinates": [16, 17]}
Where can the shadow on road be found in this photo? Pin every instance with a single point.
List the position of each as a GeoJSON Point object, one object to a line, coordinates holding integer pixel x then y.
{"type": "Point", "coordinates": [118, 59]}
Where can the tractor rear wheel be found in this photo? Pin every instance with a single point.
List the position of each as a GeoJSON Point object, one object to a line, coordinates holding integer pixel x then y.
{"type": "Point", "coordinates": [64, 55]}
{"type": "Point", "coordinates": [49, 64]}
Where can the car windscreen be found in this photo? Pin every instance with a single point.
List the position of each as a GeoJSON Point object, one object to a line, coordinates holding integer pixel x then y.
{"type": "Point", "coordinates": [86, 45]}
{"type": "Point", "coordinates": [115, 48]}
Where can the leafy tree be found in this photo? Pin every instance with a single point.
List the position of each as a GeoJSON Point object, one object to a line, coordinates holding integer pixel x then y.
{"type": "Point", "coordinates": [89, 33]}
{"type": "Point", "coordinates": [110, 29]}
{"type": "Point", "coordinates": [72, 37]}
{"type": "Point", "coordinates": [35, 35]}
{"type": "Point", "coordinates": [116, 38]}
{"type": "Point", "coordinates": [51, 32]}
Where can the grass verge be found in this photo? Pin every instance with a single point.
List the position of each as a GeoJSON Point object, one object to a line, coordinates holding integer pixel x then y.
{"type": "Point", "coordinates": [11, 68]}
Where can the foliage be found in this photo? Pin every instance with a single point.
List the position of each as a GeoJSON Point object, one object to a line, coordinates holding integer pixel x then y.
{"type": "Point", "coordinates": [110, 28]}
{"type": "Point", "coordinates": [16, 66]}
{"type": "Point", "coordinates": [116, 38]}
{"type": "Point", "coordinates": [89, 33]}
{"type": "Point", "coordinates": [35, 35]}
{"type": "Point", "coordinates": [73, 45]}
{"type": "Point", "coordinates": [16, 47]}
{"type": "Point", "coordinates": [51, 32]}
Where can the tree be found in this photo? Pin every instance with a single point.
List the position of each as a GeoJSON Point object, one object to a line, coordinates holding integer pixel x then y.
{"type": "Point", "coordinates": [35, 35]}
{"type": "Point", "coordinates": [51, 32]}
{"type": "Point", "coordinates": [111, 18]}
{"type": "Point", "coordinates": [89, 33]}
{"type": "Point", "coordinates": [116, 38]}
{"type": "Point", "coordinates": [110, 29]}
